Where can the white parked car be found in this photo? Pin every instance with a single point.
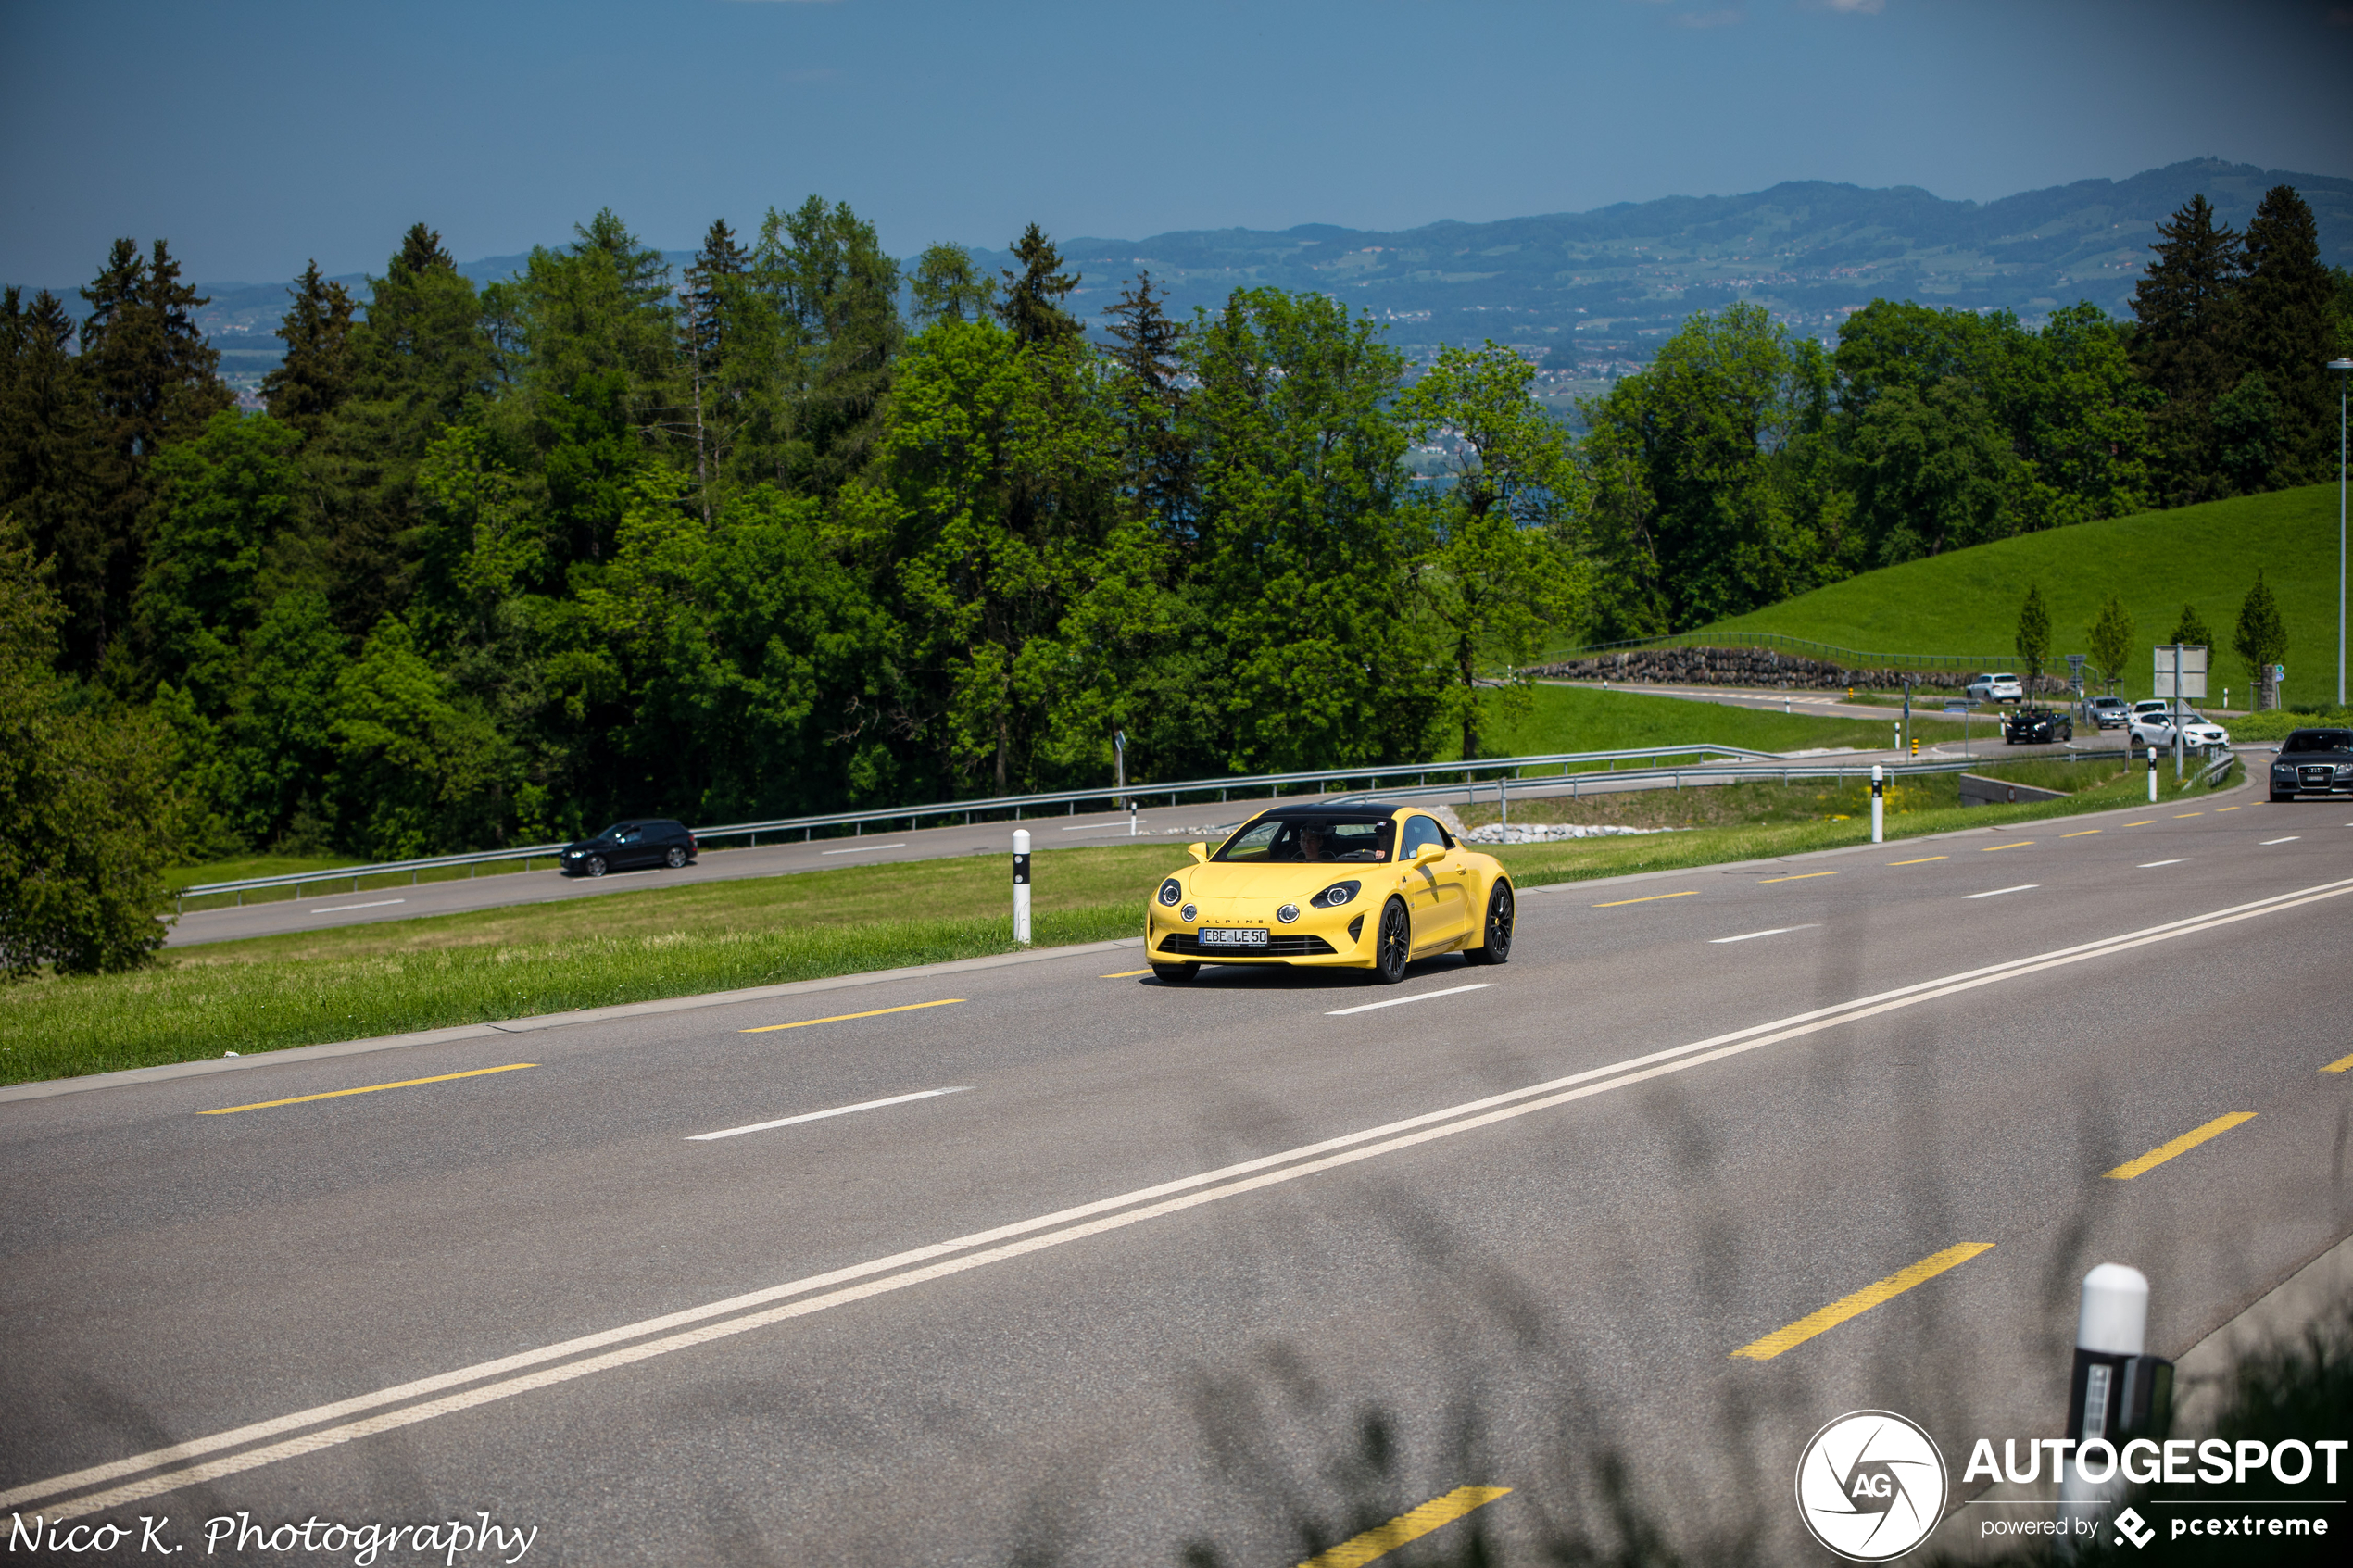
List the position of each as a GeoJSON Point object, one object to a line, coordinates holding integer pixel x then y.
{"type": "Point", "coordinates": [2002, 687]}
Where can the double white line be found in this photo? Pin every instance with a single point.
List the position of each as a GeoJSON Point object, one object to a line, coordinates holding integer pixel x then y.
{"type": "Point", "coordinates": [330, 1426]}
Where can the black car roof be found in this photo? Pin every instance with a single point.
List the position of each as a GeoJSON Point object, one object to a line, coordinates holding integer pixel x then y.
{"type": "Point", "coordinates": [1368, 810]}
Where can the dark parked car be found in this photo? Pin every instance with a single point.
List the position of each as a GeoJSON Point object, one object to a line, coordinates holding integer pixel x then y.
{"type": "Point", "coordinates": [2313, 762]}
{"type": "Point", "coordinates": [652, 841]}
{"type": "Point", "coordinates": [2036, 726]}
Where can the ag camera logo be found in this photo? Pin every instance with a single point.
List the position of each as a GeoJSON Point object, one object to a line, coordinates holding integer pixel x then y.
{"type": "Point", "coordinates": [1870, 1486]}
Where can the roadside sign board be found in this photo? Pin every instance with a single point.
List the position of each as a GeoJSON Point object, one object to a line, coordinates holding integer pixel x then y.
{"type": "Point", "coordinates": [2192, 668]}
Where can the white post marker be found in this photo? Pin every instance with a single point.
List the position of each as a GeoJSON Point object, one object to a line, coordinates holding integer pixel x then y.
{"type": "Point", "coordinates": [1879, 806]}
{"type": "Point", "coordinates": [2152, 775]}
{"type": "Point", "coordinates": [2111, 1329]}
{"type": "Point", "coordinates": [1021, 886]}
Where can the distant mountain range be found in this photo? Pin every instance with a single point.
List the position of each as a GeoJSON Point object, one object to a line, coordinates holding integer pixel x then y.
{"type": "Point", "coordinates": [1597, 290]}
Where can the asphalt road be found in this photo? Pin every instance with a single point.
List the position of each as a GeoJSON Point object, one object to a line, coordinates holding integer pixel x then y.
{"type": "Point", "coordinates": [1224, 1266]}
{"type": "Point", "coordinates": [330, 907]}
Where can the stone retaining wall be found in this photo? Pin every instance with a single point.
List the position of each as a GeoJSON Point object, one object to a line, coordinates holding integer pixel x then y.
{"type": "Point", "coordinates": [1759, 667]}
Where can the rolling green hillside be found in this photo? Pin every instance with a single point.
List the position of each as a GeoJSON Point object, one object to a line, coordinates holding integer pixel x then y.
{"type": "Point", "coordinates": [1967, 602]}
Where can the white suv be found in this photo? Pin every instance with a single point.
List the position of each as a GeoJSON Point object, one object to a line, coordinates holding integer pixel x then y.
{"type": "Point", "coordinates": [1996, 688]}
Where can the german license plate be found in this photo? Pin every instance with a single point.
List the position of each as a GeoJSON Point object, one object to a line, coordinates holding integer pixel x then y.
{"type": "Point", "coordinates": [1232, 936]}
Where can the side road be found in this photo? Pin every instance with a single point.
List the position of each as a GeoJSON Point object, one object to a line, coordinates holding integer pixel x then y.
{"type": "Point", "coordinates": [47, 1087]}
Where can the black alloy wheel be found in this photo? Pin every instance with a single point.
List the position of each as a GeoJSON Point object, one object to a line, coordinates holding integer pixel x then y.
{"type": "Point", "coordinates": [1392, 945]}
{"type": "Point", "coordinates": [1497, 947]}
{"type": "Point", "coordinates": [595, 865]}
{"type": "Point", "coordinates": [675, 859]}
{"type": "Point", "coordinates": [1175, 971]}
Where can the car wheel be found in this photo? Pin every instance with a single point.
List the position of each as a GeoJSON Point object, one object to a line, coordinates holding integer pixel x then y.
{"type": "Point", "coordinates": [1392, 945]}
{"type": "Point", "coordinates": [1496, 945]}
{"type": "Point", "coordinates": [1175, 971]}
{"type": "Point", "coordinates": [595, 866]}
{"type": "Point", "coordinates": [675, 859]}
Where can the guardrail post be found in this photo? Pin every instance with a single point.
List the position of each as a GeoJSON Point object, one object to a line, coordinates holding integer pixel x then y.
{"type": "Point", "coordinates": [1021, 886]}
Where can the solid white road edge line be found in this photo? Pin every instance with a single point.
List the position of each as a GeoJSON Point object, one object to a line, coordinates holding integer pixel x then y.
{"type": "Point", "coordinates": [1356, 1146]}
{"type": "Point", "coordinates": [338, 909]}
{"type": "Point", "coordinates": [1996, 892]}
{"type": "Point", "coordinates": [861, 849]}
{"type": "Point", "coordinates": [821, 1115]}
{"type": "Point", "coordinates": [1400, 1001]}
{"type": "Point", "coordinates": [1752, 936]}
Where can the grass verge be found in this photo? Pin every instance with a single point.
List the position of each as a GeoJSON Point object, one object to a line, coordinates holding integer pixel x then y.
{"type": "Point", "coordinates": [362, 981]}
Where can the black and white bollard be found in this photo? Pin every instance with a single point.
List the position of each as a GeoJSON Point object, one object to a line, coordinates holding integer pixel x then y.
{"type": "Point", "coordinates": [2115, 1394]}
{"type": "Point", "coordinates": [2152, 774]}
{"type": "Point", "coordinates": [1021, 886]}
{"type": "Point", "coordinates": [1878, 804]}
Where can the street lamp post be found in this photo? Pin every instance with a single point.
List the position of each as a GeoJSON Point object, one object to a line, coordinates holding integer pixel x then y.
{"type": "Point", "coordinates": [2340, 367]}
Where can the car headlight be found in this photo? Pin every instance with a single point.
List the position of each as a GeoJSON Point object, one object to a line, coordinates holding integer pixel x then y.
{"type": "Point", "coordinates": [1288, 913]}
{"type": "Point", "coordinates": [1171, 891]}
{"type": "Point", "coordinates": [1187, 912]}
{"type": "Point", "coordinates": [1332, 898]}
{"type": "Point", "coordinates": [2344, 770]}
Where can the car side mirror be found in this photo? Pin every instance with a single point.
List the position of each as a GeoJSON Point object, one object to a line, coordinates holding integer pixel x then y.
{"type": "Point", "coordinates": [1429, 852]}
{"type": "Point", "coordinates": [1200, 852]}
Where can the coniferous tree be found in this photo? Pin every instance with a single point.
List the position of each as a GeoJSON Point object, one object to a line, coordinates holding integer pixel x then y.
{"type": "Point", "coordinates": [946, 286]}
{"type": "Point", "coordinates": [314, 379]}
{"type": "Point", "coordinates": [2033, 635]}
{"type": "Point", "coordinates": [2261, 635]}
{"type": "Point", "coordinates": [420, 360]}
{"type": "Point", "coordinates": [2189, 631]}
{"type": "Point", "coordinates": [152, 380]}
{"type": "Point", "coordinates": [2112, 640]}
{"type": "Point", "coordinates": [2186, 305]}
{"type": "Point", "coordinates": [47, 433]}
{"type": "Point", "coordinates": [835, 292]}
{"type": "Point", "coordinates": [1032, 308]}
{"type": "Point", "coordinates": [2286, 327]}
{"type": "Point", "coordinates": [1148, 347]}
{"type": "Point", "coordinates": [711, 307]}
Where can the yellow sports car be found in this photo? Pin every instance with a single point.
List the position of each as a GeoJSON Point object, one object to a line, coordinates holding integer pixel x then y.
{"type": "Point", "coordinates": [1369, 887]}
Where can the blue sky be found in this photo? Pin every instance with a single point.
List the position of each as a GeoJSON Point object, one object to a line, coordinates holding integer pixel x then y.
{"type": "Point", "coordinates": [257, 133]}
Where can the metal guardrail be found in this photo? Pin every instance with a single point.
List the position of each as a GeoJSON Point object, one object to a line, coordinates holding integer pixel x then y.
{"type": "Point", "coordinates": [1784, 771]}
{"type": "Point", "coordinates": [1070, 800]}
{"type": "Point", "coordinates": [1849, 659]}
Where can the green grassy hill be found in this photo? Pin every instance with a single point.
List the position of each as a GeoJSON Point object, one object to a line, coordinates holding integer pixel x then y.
{"type": "Point", "coordinates": [1967, 602]}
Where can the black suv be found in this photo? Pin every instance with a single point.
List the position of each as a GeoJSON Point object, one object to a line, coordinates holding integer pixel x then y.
{"type": "Point", "coordinates": [2036, 726]}
{"type": "Point", "coordinates": [652, 841]}
{"type": "Point", "coordinates": [2313, 762]}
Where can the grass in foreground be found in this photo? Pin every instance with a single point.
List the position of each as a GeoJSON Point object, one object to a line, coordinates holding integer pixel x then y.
{"type": "Point", "coordinates": [362, 981]}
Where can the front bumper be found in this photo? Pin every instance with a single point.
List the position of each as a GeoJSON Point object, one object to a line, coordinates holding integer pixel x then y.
{"type": "Point", "coordinates": [1341, 938]}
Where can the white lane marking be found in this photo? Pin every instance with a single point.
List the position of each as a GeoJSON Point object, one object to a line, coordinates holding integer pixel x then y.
{"type": "Point", "coordinates": [1199, 1189]}
{"type": "Point", "coordinates": [861, 849]}
{"type": "Point", "coordinates": [1106, 827]}
{"type": "Point", "coordinates": [338, 909]}
{"type": "Point", "coordinates": [1996, 892]}
{"type": "Point", "coordinates": [1400, 1001]}
{"type": "Point", "coordinates": [821, 1115]}
{"type": "Point", "coordinates": [2152, 865]}
{"type": "Point", "coordinates": [2289, 839]}
{"type": "Point", "coordinates": [1752, 936]}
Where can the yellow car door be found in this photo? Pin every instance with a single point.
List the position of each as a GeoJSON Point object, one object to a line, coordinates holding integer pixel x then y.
{"type": "Point", "coordinates": [1434, 886]}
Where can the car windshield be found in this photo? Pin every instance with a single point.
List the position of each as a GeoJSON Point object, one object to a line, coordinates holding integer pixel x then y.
{"type": "Point", "coordinates": [1311, 840]}
{"type": "Point", "coordinates": [2319, 740]}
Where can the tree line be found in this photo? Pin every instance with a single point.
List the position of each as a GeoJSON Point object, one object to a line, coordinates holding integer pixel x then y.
{"type": "Point", "coordinates": [799, 527]}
